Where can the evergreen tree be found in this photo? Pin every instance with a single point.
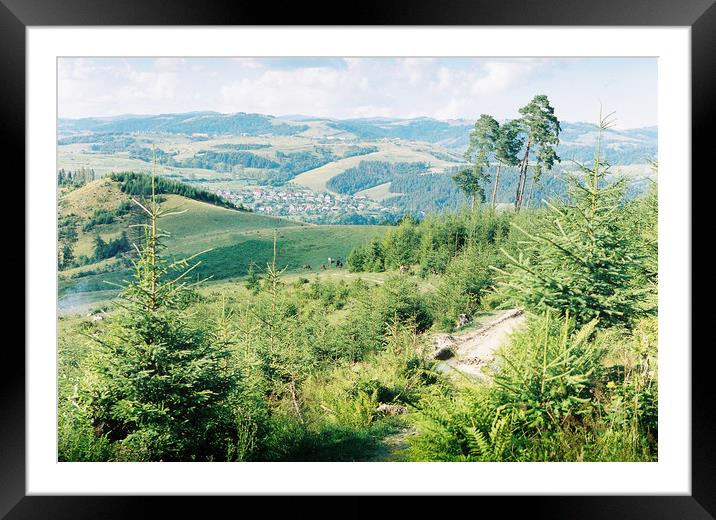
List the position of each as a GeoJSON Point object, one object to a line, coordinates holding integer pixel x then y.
{"type": "Point", "coordinates": [283, 350]}
{"type": "Point", "coordinates": [542, 129]}
{"type": "Point", "coordinates": [579, 260]}
{"type": "Point", "coordinates": [99, 247]}
{"type": "Point", "coordinates": [159, 386]}
{"type": "Point", "coordinates": [481, 148]}
{"type": "Point", "coordinates": [470, 183]}
{"type": "Point", "coordinates": [66, 240]}
{"type": "Point", "coordinates": [508, 144]}
{"type": "Point", "coordinates": [401, 245]}
{"type": "Point", "coordinates": [253, 280]}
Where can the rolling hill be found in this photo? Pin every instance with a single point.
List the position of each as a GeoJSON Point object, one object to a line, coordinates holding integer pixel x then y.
{"type": "Point", "coordinates": [236, 239]}
{"type": "Point", "coordinates": [186, 123]}
{"type": "Point", "coordinates": [577, 137]}
{"type": "Point", "coordinates": [258, 159]}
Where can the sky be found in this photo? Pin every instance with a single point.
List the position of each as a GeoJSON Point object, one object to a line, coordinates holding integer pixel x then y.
{"type": "Point", "coordinates": [343, 88]}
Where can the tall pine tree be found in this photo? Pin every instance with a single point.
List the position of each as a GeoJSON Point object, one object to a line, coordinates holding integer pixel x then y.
{"type": "Point", "coordinates": [508, 144]}
{"type": "Point", "coordinates": [542, 129]}
{"type": "Point", "coordinates": [479, 151]}
{"type": "Point", "coordinates": [159, 386]}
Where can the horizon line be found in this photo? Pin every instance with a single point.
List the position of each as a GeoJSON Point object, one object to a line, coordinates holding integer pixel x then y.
{"type": "Point", "coordinates": [319, 118]}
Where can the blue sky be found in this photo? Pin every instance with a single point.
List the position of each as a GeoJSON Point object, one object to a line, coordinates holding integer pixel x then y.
{"type": "Point", "coordinates": [443, 88]}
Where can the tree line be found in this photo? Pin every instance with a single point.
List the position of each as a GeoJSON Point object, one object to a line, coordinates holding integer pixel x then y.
{"type": "Point", "coordinates": [372, 173]}
{"type": "Point", "coordinates": [140, 184]}
{"type": "Point", "coordinates": [75, 178]}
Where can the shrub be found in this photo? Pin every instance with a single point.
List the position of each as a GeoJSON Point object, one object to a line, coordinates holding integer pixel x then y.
{"type": "Point", "coordinates": [76, 438]}
{"type": "Point", "coordinates": [467, 277]}
{"type": "Point", "coordinates": [399, 300]}
{"type": "Point", "coordinates": [462, 425]}
{"type": "Point", "coordinates": [547, 375]}
{"type": "Point", "coordinates": [369, 257]}
{"type": "Point", "coordinates": [401, 245]}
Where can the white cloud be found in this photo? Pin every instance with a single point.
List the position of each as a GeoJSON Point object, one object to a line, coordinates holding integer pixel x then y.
{"type": "Point", "coordinates": [308, 91]}
{"type": "Point", "coordinates": [453, 109]}
{"type": "Point", "coordinates": [372, 111]}
{"type": "Point", "coordinates": [445, 88]}
{"type": "Point", "coordinates": [501, 75]}
{"type": "Point", "coordinates": [415, 70]}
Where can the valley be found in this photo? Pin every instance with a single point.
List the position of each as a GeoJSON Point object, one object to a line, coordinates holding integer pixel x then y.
{"type": "Point", "coordinates": [239, 154]}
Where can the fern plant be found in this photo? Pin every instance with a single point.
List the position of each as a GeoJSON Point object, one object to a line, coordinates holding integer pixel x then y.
{"type": "Point", "coordinates": [547, 374]}
{"type": "Point", "coordinates": [491, 445]}
{"type": "Point", "coordinates": [462, 424]}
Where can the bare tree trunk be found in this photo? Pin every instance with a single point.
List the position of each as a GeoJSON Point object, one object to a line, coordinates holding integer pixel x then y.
{"type": "Point", "coordinates": [532, 185]}
{"type": "Point", "coordinates": [294, 398]}
{"type": "Point", "coordinates": [497, 182]}
{"type": "Point", "coordinates": [523, 175]}
{"type": "Point", "coordinates": [522, 184]}
{"type": "Point", "coordinates": [519, 183]}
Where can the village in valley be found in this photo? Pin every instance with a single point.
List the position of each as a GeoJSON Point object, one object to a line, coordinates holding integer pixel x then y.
{"type": "Point", "coordinates": [306, 205]}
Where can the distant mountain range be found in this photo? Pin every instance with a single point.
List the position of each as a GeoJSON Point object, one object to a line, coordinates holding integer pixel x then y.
{"type": "Point", "coordinates": [577, 139]}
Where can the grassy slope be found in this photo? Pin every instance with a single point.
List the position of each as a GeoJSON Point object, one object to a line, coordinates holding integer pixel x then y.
{"type": "Point", "coordinates": [203, 226]}
{"type": "Point", "coordinates": [296, 247]}
{"type": "Point", "coordinates": [379, 192]}
{"type": "Point", "coordinates": [236, 239]}
{"type": "Point", "coordinates": [317, 178]}
{"type": "Point", "coordinates": [102, 194]}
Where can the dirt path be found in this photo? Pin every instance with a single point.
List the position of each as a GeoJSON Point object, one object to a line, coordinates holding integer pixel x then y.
{"type": "Point", "coordinates": [394, 447]}
{"type": "Point", "coordinates": [469, 352]}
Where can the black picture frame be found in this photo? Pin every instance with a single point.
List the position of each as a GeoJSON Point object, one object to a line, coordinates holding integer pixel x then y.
{"type": "Point", "coordinates": [17, 15]}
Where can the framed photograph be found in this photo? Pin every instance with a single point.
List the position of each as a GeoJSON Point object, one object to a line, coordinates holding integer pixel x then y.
{"type": "Point", "coordinates": [443, 251]}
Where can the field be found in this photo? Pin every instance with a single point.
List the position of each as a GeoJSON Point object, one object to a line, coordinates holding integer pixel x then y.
{"type": "Point", "coordinates": [317, 178]}
{"type": "Point", "coordinates": [296, 247]}
{"type": "Point", "coordinates": [74, 156]}
{"type": "Point", "coordinates": [380, 192]}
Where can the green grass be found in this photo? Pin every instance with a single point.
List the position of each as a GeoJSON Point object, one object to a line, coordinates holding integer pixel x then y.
{"type": "Point", "coordinates": [203, 226]}
{"type": "Point", "coordinates": [235, 240]}
{"type": "Point", "coordinates": [296, 246]}
{"type": "Point", "coordinates": [380, 192]}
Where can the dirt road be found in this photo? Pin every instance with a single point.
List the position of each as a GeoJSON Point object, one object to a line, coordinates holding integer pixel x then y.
{"type": "Point", "coordinates": [475, 348]}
